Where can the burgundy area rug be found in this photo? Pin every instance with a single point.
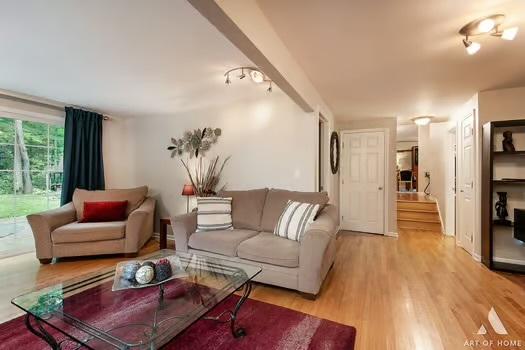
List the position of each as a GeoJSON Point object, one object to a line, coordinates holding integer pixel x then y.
{"type": "Point", "coordinates": [267, 326]}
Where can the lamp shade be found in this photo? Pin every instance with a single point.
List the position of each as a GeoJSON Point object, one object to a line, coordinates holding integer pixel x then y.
{"type": "Point", "coordinates": [188, 190]}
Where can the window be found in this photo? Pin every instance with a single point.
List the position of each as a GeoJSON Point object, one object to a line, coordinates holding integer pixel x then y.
{"type": "Point", "coordinates": [31, 162]}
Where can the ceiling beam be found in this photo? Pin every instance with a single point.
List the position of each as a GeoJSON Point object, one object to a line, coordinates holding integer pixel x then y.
{"type": "Point", "coordinates": [216, 16]}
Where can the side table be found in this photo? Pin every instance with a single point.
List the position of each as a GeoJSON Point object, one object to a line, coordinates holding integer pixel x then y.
{"type": "Point", "coordinates": [163, 234]}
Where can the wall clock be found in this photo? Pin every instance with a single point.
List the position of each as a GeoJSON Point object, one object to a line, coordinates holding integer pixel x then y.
{"type": "Point", "coordinates": [334, 152]}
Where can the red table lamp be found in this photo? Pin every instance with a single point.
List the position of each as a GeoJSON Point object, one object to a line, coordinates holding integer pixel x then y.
{"type": "Point", "coordinates": [188, 191]}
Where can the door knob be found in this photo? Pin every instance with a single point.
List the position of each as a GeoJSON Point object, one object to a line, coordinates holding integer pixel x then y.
{"type": "Point", "coordinates": [380, 188]}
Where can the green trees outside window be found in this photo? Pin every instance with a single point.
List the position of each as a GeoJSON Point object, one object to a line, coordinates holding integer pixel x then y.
{"type": "Point", "coordinates": [31, 161]}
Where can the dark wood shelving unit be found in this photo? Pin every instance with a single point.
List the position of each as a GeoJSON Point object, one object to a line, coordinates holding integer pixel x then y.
{"type": "Point", "coordinates": [503, 153]}
{"type": "Point", "coordinates": [488, 188]}
{"type": "Point", "coordinates": [508, 182]}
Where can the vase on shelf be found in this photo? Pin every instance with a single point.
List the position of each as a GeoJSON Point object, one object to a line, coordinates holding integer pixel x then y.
{"type": "Point", "coordinates": [501, 210]}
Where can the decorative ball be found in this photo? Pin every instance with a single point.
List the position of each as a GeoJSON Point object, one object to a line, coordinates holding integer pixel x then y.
{"type": "Point", "coordinates": [148, 263]}
{"type": "Point", "coordinates": [163, 269]}
{"type": "Point", "coordinates": [145, 274]}
{"type": "Point", "coordinates": [129, 270]}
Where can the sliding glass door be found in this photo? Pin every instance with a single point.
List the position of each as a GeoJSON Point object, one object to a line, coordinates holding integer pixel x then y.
{"type": "Point", "coordinates": [31, 162]}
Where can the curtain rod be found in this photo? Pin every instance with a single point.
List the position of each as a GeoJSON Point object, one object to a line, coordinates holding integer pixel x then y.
{"type": "Point", "coordinates": [56, 107]}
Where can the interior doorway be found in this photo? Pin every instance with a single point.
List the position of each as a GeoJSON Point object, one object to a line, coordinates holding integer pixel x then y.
{"type": "Point", "coordinates": [407, 158]}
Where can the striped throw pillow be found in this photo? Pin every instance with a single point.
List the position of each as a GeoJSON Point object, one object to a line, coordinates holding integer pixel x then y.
{"type": "Point", "coordinates": [214, 213]}
{"type": "Point", "coordinates": [295, 219]}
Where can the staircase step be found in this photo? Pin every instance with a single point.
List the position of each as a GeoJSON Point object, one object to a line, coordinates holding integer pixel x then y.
{"type": "Point", "coordinates": [418, 215]}
{"type": "Point", "coordinates": [434, 226]}
{"type": "Point", "coordinates": [429, 206]}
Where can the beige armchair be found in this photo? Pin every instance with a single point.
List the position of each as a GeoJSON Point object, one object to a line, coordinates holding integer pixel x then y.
{"type": "Point", "coordinates": [58, 233]}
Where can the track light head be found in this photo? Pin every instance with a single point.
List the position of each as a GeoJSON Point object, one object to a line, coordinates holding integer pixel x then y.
{"type": "Point", "coordinates": [470, 46]}
{"type": "Point", "coordinates": [509, 33]}
{"type": "Point", "coordinates": [242, 76]}
{"type": "Point", "coordinates": [228, 81]}
{"type": "Point", "coordinates": [269, 87]}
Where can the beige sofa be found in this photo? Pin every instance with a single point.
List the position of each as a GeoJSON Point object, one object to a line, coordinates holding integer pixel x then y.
{"type": "Point", "coordinates": [286, 263]}
{"type": "Point", "coordinates": [58, 233]}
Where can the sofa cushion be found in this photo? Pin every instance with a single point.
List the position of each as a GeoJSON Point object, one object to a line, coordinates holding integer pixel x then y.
{"type": "Point", "coordinates": [221, 242]}
{"type": "Point", "coordinates": [134, 196]}
{"type": "Point", "coordinates": [214, 214]}
{"type": "Point", "coordinates": [76, 232]}
{"type": "Point", "coordinates": [276, 201]}
{"type": "Point", "coordinates": [271, 249]}
{"type": "Point", "coordinates": [247, 207]}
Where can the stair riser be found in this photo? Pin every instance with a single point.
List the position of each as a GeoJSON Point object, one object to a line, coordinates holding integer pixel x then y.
{"type": "Point", "coordinates": [428, 206]}
{"type": "Point", "coordinates": [432, 216]}
{"type": "Point", "coordinates": [427, 226]}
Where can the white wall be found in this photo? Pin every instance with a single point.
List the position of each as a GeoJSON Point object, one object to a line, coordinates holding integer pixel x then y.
{"type": "Point", "coordinates": [405, 145]}
{"type": "Point", "coordinates": [433, 158]}
{"type": "Point", "coordinates": [391, 185]}
{"type": "Point", "coordinates": [271, 142]}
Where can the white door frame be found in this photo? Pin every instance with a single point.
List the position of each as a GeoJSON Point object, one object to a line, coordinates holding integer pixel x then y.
{"type": "Point", "coordinates": [387, 183]}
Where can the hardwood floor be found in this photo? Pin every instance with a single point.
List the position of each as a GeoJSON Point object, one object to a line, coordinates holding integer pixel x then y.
{"type": "Point", "coordinates": [418, 291]}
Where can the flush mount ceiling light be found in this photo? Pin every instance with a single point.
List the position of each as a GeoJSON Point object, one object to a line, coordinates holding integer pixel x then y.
{"type": "Point", "coordinates": [422, 121]}
{"type": "Point", "coordinates": [491, 25]}
{"type": "Point", "coordinates": [255, 74]}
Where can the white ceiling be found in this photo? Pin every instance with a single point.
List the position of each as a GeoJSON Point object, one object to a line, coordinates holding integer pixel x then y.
{"type": "Point", "coordinates": [397, 58]}
{"type": "Point", "coordinates": [121, 57]}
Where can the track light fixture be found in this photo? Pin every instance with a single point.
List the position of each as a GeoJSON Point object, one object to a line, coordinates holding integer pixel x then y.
{"type": "Point", "coordinates": [471, 47]}
{"type": "Point", "coordinates": [255, 74]}
{"type": "Point", "coordinates": [486, 25]}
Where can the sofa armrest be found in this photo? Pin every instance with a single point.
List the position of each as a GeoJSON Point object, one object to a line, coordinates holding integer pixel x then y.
{"type": "Point", "coordinates": [42, 224]}
{"type": "Point", "coordinates": [317, 251]}
{"type": "Point", "coordinates": [183, 226]}
{"type": "Point", "coordinates": [139, 226]}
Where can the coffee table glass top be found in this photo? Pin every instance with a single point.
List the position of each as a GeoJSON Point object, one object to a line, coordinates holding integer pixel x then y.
{"type": "Point", "coordinates": [87, 310]}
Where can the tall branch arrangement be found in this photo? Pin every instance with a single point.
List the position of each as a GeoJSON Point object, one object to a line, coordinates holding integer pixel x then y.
{"type": "Point", "coordinates": [204, 177]}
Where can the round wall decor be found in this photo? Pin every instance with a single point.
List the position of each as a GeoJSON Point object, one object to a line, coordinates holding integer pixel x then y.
{"type": "Point", "coordinates": [334, 152]}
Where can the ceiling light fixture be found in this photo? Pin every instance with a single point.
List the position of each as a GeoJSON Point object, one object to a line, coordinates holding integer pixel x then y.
{"type": "Point", "coordinates": [509, 33]}
{"type": "Point", "coordinates": [486, 25]}
{"type": "Point", "coordinates": [242, 76]}
{"type": "Point", "coordinates": [256, 75]}
{"type": "Point", "coordinates": [471, 47]}
{"type": "Point", "coordinates": [422, 121]}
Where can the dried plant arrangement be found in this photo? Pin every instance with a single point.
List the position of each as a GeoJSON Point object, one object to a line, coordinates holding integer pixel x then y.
{"type": "Point", "coordinates": [205, 178]}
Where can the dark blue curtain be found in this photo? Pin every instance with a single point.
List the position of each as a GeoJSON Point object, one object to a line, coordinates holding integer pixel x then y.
{"type": "Point", "coordinates": [83, 163]}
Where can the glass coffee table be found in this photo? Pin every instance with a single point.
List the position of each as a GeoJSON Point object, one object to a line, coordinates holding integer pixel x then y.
{"type": "Point", "coordinates": [93, 316]}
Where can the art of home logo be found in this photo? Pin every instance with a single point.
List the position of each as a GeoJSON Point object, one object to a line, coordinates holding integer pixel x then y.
{"type": "Point", "coordinates": [499, 328]}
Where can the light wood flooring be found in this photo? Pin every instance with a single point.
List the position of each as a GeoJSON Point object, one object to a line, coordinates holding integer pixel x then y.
{"type": "Point", "coordinates": [418, 291]}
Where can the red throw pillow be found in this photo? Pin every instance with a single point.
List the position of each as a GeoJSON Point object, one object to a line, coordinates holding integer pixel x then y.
{"type": "Point", "coordinates": [104, 211]}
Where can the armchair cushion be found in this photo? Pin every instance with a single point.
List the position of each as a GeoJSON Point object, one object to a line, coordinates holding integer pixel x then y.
{"type": "Point", "coordinates": [88, 232]}
{"type": "Point", "coordinates": [221, 242]}
{"type": "Point", "coordinates": [270, 249]}
{"type": "Point", "coordinates": [134, 196]}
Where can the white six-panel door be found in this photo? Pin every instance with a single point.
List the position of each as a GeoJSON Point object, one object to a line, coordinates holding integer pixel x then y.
{"type": "Point", "coordinates": [362, 181]}
{"type": "Point", "coordinates": [466, 184]}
